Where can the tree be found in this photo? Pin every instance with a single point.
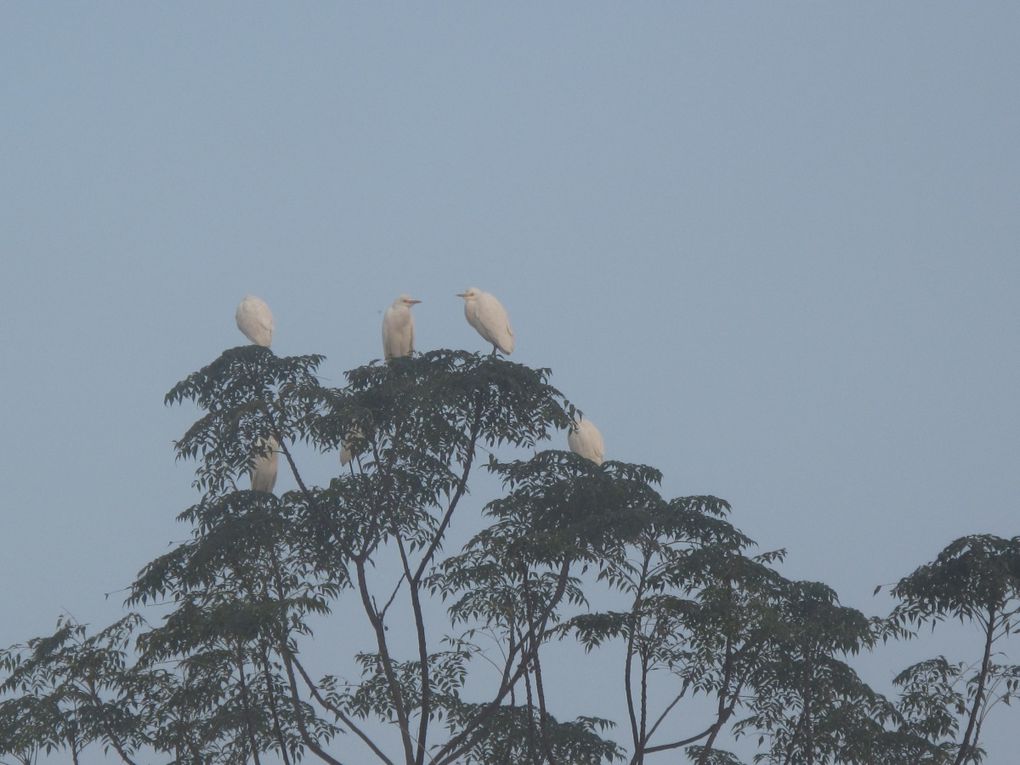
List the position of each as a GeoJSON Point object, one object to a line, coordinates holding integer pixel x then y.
{"type": "Point", "coordinates": [976, 580]}
{"type": "Point", "coordinates": [223, 677]}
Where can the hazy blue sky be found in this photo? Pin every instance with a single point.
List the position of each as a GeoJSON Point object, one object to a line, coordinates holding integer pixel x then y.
{"type": "Point", "coordinates": [771, 249]}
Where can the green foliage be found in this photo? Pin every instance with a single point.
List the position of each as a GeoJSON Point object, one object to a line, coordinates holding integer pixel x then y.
{"type": "Point", "coordinates": [711, 756]}
{"type": "Point", "coordinates": [976, 580]}
{"type": "Point", "coordinates": [513, 735]}
{"type": "Point", "coordinates": [587, 555]}
{"type": "Point", "coordinates": [972, 576]}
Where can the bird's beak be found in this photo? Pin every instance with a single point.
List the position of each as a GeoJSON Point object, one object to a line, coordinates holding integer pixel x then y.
{"type": "Point", "coordinates": [461, 294]}
{"type": "Point", "coordinates": [413, 301]}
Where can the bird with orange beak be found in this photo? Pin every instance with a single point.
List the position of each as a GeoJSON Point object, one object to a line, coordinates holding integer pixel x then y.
{"type": "Point", "coordinates": [488, 316]}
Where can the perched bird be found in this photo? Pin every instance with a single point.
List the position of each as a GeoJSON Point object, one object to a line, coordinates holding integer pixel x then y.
{"type": "Point", "coordinates": [255, 320]}
{"type": "Point", "coordinates": [398, 328]}
{"type": "Point", "coordinates": [352, 446]}
{"type": "Point", "coordinates": [584, 439]}
{"type": "Point", "coordinates": [264, 463]}
{"type": "Point", "coordinates": [488, 316]}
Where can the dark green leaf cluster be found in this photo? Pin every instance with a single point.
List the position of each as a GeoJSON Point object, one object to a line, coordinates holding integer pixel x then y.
{"type": "Point", "coordinates": [446, 673]}
{"type": "Point", "coordinates": [512, 735]}
{"type": "Point", "coordinates": [972, 576]}
{"type": "Point", "coordinates": [708, 756]}
{"type": "Point", "coordinates": [76, 689]}
{"type": "Point", "coordinates": [570, 551]}
{"type": "Point", "coordinates": [247, 393]}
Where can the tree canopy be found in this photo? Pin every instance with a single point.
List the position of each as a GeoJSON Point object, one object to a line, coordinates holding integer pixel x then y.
{"type": "Point", "coordinates": [210, 664]}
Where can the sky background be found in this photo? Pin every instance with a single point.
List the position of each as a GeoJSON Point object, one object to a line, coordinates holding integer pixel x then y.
{"type": "Point", "coordinates": [770, 249]}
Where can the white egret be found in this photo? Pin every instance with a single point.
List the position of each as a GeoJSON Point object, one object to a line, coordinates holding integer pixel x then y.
{"type": "Point", "coordinates": [487, 315]}
{"type": "Point", "coordinates": [584, 439]}
{"type": "Point", "coordinates": [398, 328]}
{"type": "Point", "coordinates": [352, 446]}
{"type": "Point", "coordinates": [346, 455]}
{"type": "Point", "coordinates": [255, 320]}
{"type": "Point", "coordinates": [264, 464]}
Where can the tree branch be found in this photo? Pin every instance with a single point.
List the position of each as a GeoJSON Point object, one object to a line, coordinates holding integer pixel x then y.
{"type": "Point", "coordinates": [423, 654]}
{"type": "Point", "coordinates": [273, 708]}
{"type": "Point", "coordinates": [312, 745]}
{"type": "Point", "coordinates": [667, 710]}
{"type": "Point", "coordinates": [678, 744]}
{"type": "Point", "coordinates": [967, 746]}
{"type": "Point", "coordinates": [460, 743]}
{"type": "Point", "coordinates": [118, 745]}
{"type": "Point", "coordinates": [246, 704]}
{"type": "Point", "coordinates": [340, 714]}
{"type": "Point", "coordinates": [384, 654]}
{"type": "Point", "coordinates": [628, 663]}
{"type": "Point", "coordinates": [458, 493]}
{"type": "Point", "coordinates": [537, 664]}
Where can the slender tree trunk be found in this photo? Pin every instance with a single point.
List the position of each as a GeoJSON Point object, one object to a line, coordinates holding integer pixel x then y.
{"type": "Point", "coordinates": [283, 649]}
{"type": "Point", "coordinates": [637, 732]}
{"type": "Point", "coordinates": [537, 664]}
{"type": "Point", "coordinates": [543, 715]}
{"type": "Point", "coordinates": [423, 654]}
{"type": "Point", "coordinates": [273, 707]}
{"type": "Point", "coordinates": [118, 745]}
{"type": "Point", "coordinates": [643, 725]}
{"type": "Point", "coordinates": [249, 724]}
{"type": "Point", "coordinates": [399, 705]}
{"type": "Point", "coordinates": [532, 749]}
{"type": "Point", "coordinates": [967, 746]}
{"type": "Point", "coordinates": [463, 740]}
{"type": "Point", "coordinates": [310, 742]}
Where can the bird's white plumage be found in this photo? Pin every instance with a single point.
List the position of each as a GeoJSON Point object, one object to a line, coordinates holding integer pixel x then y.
{"type": "Point", "coordinates": [584, 439]}
{"type": "Point", "coordinates": [264, 464]}
{"type": "Point", "coordinates": [488, 316]}
{"type": "Point", "coordinates": [398, 328]}
{"type": "Point", "coordinates": [255, 320]}
{"type": "Point", "coordinates": [352, 446]}
{"type": "Point", "coordinates": [345, 454]}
